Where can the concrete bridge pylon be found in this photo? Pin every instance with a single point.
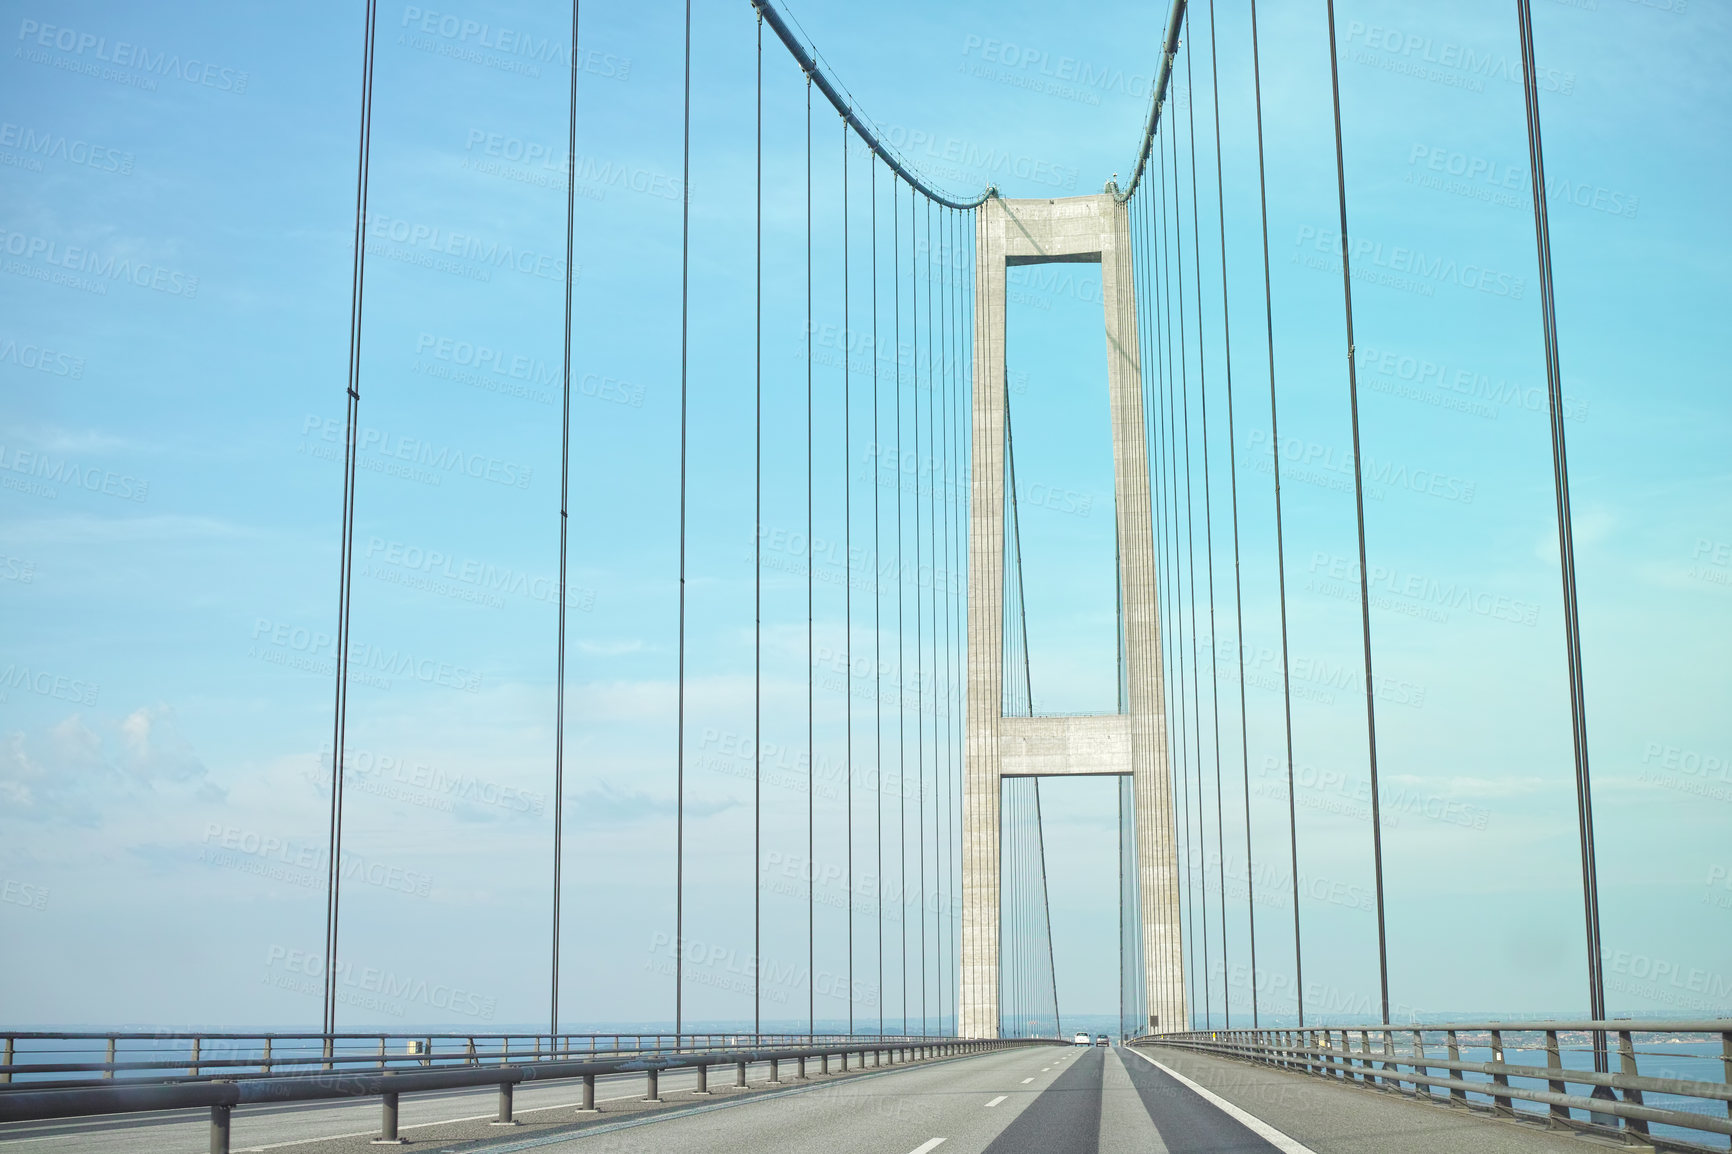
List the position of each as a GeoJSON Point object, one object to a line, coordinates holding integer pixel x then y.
{"type": "Point", "coordinates": [1133, 743]}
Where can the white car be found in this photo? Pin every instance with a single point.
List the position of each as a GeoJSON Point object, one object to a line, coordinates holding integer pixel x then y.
{"type": "Point", "coordinates": [1082, 1038]}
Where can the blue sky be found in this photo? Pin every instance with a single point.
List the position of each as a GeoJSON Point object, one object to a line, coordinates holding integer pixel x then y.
{"type": "Point", "coordinates": [170, 511]}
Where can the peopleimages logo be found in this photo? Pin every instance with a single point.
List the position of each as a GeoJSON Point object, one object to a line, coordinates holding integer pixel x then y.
{"type": "Point", "coordinates": [79, 259]}
{"type": "Point", "coordinates": [133, 64]}
{"type": "Point", "coordinates": [43, 683]}
{"type": "Point", "coordinates": [44, 472]}
{"type": "Point", "coordinates": [375, 988]}
{"type": "Point", "coordinates": [40, 146]}
{"type": "Point", "coordinates": [40, 358]}
{"type": "Point", "coordinates": [1401, 261]}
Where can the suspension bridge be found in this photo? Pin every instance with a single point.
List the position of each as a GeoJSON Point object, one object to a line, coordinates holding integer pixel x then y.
{"type": "Point", "coordinates": [893, 982]}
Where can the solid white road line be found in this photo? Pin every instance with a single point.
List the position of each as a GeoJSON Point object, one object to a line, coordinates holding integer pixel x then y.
{"type": "Point", "coordinates": [924, 1147]}
{"type": "Point", "coordinates": [995, 1101]}
{"type": "Point", "coordinates": [1250, 1121]}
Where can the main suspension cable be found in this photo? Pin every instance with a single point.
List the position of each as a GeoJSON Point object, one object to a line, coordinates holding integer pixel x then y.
{"type": "Point", "coordinates": [809, 65]}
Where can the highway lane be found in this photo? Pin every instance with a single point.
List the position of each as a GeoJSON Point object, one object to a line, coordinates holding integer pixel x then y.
{"type": "Point", "coordinates": [1048, 1101]}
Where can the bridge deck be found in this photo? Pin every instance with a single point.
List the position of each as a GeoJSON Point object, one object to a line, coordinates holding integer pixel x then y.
{"type": "Point", "coordinates": [1043, 1101]}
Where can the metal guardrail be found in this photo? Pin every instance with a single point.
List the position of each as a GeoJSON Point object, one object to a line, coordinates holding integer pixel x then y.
{"type": "Point", "coordinates": [57, 1058]}
{"type": "Point", "coordinates": [1636, 1107]}
{"type": "Point", "coordinates": [220, 1094]}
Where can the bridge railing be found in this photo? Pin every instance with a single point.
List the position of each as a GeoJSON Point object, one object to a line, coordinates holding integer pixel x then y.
{"type": "Point", "coordinates": [48, 1059]}
{"type": "Point", "coordinates": [36, 1101]}
{"type": "Point", "coordinates": [1668, 1083]}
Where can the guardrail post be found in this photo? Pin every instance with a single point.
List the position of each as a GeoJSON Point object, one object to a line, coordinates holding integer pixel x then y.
{"type": "Point", "coordinates": [654, 1094]}
{"type": "Point", "coordinates": [1419, 1066]}
{"type": "Point", "coordinates": [504, 1118]}
{"type": "Point", "coordinates": [1501, 1101]}
{"type": "Point", "coordinates": [267, 1054]}
{"type": "Point", "coordinates": [388, 1121]}
{"type": "Point", "coordinates": [1726, 1063]}
{"type": "Point", "coordinates": [801, 1076]}
{"type": "Point", "coordinates": [740, 1074]}
{"type": "Point", "coordinates": [588, 1106]}
{"type": "Point", "coordinates": [1455, 1095]}
{"type": "Point", "coordinates": [844, 1061]}
{"type": "Point", "coordinates": [775, 1070]}
{"type": "Point", "coordinates": [109, 1073]}
{"type": "Point", "coordinates": [1554, 1061]}
{"type": "Point", "coordinates": [703, 1079]}
{"type": "Point", "coordinates": [7, 1076]}
{"type": "Point", "coordinates": [1368, 1078]}
{"type": "Point", "coordinates": [1627, 1063]}
{"type": "Point", "coordinates": [469, 1052]}
{"type": "Point", "coordinates": [192, 1070]}
{"type": "Point", "coordinates": [219, 1129]}
{"type": "Point", "coordinates": [1389, 1063]}
{"type": "Point", "coordinates": [823, 1063]}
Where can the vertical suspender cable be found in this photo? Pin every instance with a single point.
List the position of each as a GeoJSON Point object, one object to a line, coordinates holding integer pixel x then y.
{"type": "Point", "coordinates": [950, 528]}
{"type": "Point", "coordinates": [901, 651]}
{"type": "Point", "coordinates": [346, 566]}
{"type": "Point", "coordinates": [758, 577]}
{"type": "Point", "coordinates": [848, 574]}
{"type": "Point", "coordinates": [680, 724]}
{"type": "Point", "coordinates": [1566, 540]}
{"type": "Point", "coordinates": [811, 763]}
{"type": "Point", "coordinates": [1148, 297]}
{"type": "Point", "coordinates": [1191, 562]}
{"type": "Point", "coordinates": [1280, 541]}
{"type": "Point", "coordinates": [877, 608]}
{"type": "Point", "coordinates": [919, 607]}
{"type": "Point", "coordinates": [1238, 599]}
{"type": "Point", "coordinates": [1359, 508]}
{"type": "Point", "coordinates": [1209, 558]}
{"type": "Point", "coordinates": [1046, 909]}
{"type": "Point", "coordinates": [932, 595]}
{"type": "Point", "coordinates": [952, 701]}
{"type": "Point", "coordinates": [1142, 256]}
{"type": "Point", "coordinates": [564, 518]}
{"type": "Point", "coordinates": [1159, 491]}
{"type": "Point", "coordinates": [1172, 274]}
